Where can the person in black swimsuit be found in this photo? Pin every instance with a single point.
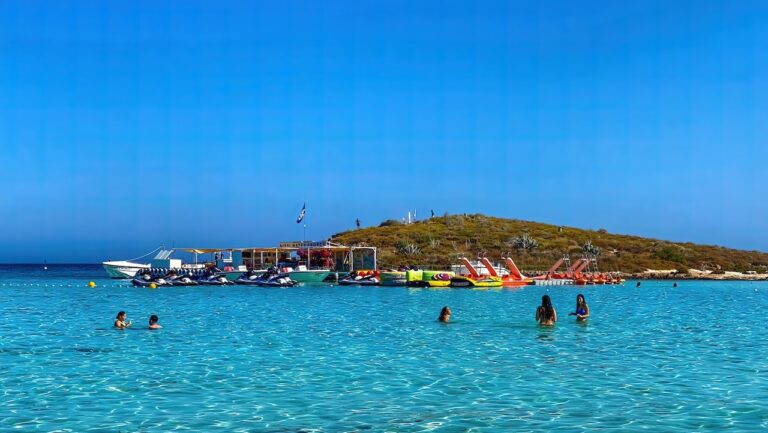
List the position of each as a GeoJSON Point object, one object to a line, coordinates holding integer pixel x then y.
{"type": "Point", "coordinates": [546, 314]}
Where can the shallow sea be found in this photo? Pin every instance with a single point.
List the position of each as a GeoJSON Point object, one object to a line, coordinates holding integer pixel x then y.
{"type": "Point", "coordinates": [352, 359]}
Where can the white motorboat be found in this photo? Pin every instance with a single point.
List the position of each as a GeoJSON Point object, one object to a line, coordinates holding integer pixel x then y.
{"type": "Point", "coordinates": [123, 269]}
{"type": "Point", "coordinates": [304, 275]}
{"type": "Point", "coordinates": [163, 260]}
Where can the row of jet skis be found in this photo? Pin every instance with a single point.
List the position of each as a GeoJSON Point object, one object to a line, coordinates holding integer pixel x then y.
{"type": "Point", "coordinates": [215, 277]}
{"type": "Point", "coordinates": [212, 277]}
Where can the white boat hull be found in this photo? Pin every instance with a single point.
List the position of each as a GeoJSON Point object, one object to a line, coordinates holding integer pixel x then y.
{"type": "Point", "coordinates": [122, 269]}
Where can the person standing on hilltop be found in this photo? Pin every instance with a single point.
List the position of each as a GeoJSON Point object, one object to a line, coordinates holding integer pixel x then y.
{"type": "Point", "coordinates": [357, 222]}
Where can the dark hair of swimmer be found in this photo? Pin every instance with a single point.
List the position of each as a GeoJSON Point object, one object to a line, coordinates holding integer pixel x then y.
{"type": "Point", "coordinates": [445, 314]}
{"type": "Point", "coordinates": [153, 319]}
{"type": "Point", "coordinates": [546, 305]}
{"type": "Point", "coordinates": [121, 313]}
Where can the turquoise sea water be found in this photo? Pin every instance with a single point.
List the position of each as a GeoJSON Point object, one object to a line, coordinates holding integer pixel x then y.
{"type": "Point", "coordinates": [352, 359]}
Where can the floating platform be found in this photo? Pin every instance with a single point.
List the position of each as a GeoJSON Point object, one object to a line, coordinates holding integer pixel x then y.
{"type": "Point", "coordinates": [554, 282]}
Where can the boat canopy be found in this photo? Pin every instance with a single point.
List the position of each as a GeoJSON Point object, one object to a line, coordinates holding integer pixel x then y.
{"type": "Point", "coordinates": [284, 247]}
{"type": "Point", "coordinates": [342, 257]}
{"type": "Point", "coordinates": [202, 250]}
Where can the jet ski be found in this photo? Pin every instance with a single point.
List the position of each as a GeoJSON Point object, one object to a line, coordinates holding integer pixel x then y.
{"type": "Point", "coordinates": [144, 279]}
{"type": "Point", "coordinates": [214, 277]}
{"type": "Point", "coordinates": [271, 278]}
{"type": "Point", "coordinates": [278, 280]}
{"type": "Point", "coordinates": [250, 278]}
{"type": "Point", "coordinates": [181, 280]}
{"type": "Point", "coordinates": [361, 278]}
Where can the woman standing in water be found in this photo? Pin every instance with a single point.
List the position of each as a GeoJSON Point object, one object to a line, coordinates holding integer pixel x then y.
{"type": "Point", "coordinates": [582, 309]}
{"type": "Point", "coordinates": [120, 322]}
{"type": "Point", "coordinates": [546, 314]}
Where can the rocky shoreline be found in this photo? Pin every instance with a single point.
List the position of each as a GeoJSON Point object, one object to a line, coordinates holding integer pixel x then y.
{"type": "Point", "coordinates": [693, 274]}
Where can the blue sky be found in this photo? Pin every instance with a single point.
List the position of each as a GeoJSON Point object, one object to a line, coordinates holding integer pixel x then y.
{"type": "Point", "coordinates": [128, 124]}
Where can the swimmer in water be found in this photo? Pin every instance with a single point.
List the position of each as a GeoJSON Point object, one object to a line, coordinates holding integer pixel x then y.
{"type": "Point", "coordinates": [546, 314]}
{"type": "Point", "coordinates": [582, 309]}
{"type": "Point", "coordinates": [120, 322]}
{"type": "Point", "coordinates": [445, 314]}
{"type": "Point", "coordinates": [153, 322]}
{"type": "Point", "coordinates": [638, 284]}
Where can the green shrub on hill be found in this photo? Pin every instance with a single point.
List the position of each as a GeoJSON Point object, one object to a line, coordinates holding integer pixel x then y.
{"type": "Point", "coordinates": [671, 254]}
{"type": "Point", "coordinates": [388, 223]}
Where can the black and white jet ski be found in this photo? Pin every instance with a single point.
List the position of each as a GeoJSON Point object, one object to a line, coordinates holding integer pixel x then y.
{"type": "Point", "coordinates": [180, 280]}
{"type": "Point", "coordinates": [278, 280]}
{"type": "Point", "coordinates": [214, 277]}
{"type": "Point", "coordinates": [144, 279]}
{"type": "Point", "coordinates": [250, 278]}
{"type": "Point", "coordinates": [361, 278]}
{"type": "Point", "coordinates": [271, 278]}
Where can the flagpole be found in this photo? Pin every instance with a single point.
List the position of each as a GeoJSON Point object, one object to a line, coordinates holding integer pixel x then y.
{"type": "Point", "coordinates": [302, 219]}
{"type": "Point", "coordinates": [305, 244]}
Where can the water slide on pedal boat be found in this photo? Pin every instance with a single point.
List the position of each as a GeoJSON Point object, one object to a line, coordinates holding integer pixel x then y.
{"type": "Point", "coordinates": [513, 279]}
{"type": "Point", "coordinates": [474, 279]}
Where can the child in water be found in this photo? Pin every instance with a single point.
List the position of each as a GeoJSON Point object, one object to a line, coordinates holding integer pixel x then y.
{"type": "Point", "coordinates": [120, 322]}
{"type": "Point", "coordinates": [445, 315]}
{"type": "Point", "coordinates": [582, 309]}
{"type": "Point", "coordinates": [153, 322]}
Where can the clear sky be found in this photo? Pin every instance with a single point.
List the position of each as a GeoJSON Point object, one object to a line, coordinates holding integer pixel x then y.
{"type": "Point", "coordinates": [128, 124]}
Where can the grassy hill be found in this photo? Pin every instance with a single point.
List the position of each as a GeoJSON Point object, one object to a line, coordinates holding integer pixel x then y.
{"type": "Point", "coordinates": [440, 241]}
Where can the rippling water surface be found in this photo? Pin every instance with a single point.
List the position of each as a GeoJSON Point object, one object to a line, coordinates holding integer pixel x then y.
{"type": "Point", "coordinates": [343, 359]}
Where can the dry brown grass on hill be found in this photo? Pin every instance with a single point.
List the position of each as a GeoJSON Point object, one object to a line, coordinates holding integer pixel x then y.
{"type": "Point", "coordinates": [441, 241]}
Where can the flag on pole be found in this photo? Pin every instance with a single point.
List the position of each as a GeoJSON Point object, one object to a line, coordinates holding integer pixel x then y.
{"type": "Point", "coordinates": [301, 215]}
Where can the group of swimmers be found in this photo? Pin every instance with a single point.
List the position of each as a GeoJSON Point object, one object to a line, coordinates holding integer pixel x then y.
{"type": "Point", "coordinates": [122, 323]}
{"type": "Point", "coordinates": [546, 314]}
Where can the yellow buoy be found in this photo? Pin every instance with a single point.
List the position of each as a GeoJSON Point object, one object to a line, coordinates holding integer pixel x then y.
{"type": "Point", "coordinates": [152, 285]}
{"type": "Point", "coordinates": [91, 284]}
